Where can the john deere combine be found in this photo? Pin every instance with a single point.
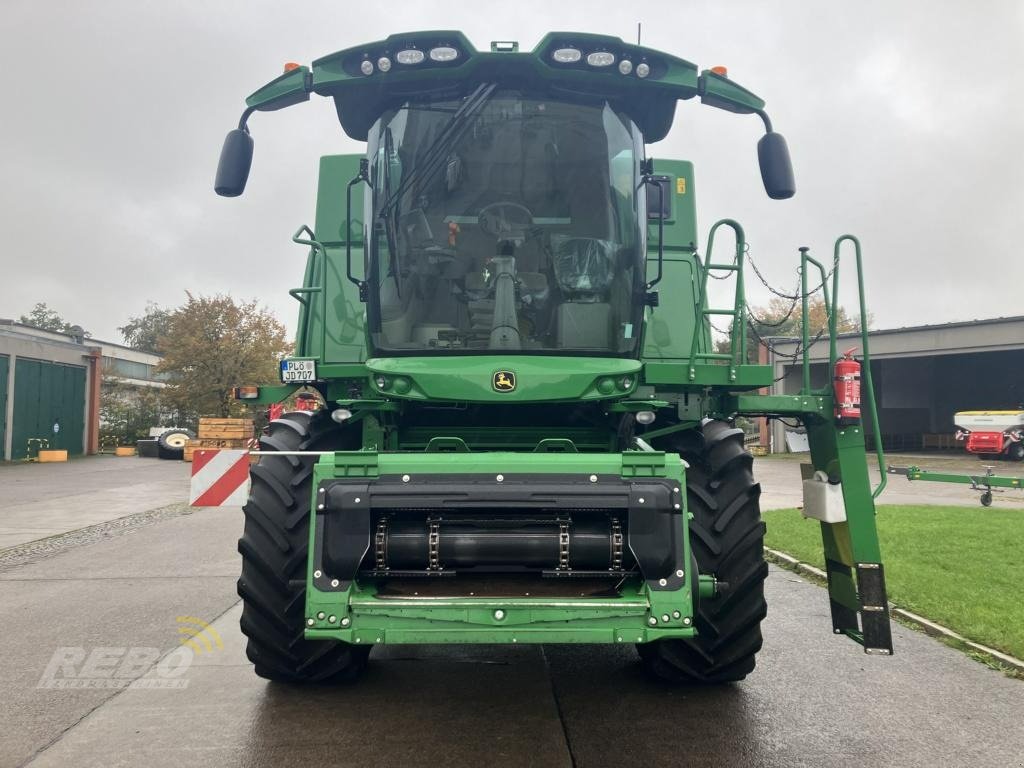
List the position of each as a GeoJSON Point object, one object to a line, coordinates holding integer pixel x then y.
{"type": "Point", "coordinates": [528, 428]}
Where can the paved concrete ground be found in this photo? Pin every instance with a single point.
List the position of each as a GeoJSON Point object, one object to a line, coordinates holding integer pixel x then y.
{"type": "Point", "coordinates": [41, 500]}
{"type": "Point", "coordinates": [815, 699]}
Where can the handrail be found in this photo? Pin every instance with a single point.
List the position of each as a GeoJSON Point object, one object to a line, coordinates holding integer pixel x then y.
{"type": "Point", "coordinates": [866, 368]}
{"type": "Point", "coordinates": [830, 311]}
{"type": "Point", "coordinates": [738, 352]}
{"type": "Point", "coordinates": [300, 293]}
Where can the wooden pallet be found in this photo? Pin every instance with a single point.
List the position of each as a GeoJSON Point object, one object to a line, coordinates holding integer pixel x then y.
{"type": "Point", "coordinates": [225, 429]}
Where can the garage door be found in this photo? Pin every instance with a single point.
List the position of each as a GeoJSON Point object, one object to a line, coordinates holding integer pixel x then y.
{"type": "Point", "coordinates": [49, 404]}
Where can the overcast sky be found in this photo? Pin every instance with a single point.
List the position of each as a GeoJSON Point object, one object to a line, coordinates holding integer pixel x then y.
{"type": "Point", "coordinates": [905, 121]}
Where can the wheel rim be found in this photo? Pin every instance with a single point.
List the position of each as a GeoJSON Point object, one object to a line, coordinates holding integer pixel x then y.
{"type": "Point", "coordinates": [177, 440]}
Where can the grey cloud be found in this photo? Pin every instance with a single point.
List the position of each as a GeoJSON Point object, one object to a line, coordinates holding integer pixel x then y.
{"type": "Point", "coordinates": [904, 121]}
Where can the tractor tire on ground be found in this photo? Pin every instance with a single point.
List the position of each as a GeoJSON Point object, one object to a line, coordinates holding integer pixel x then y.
{"type": "Point", "coordinates": [171, 442]}
{"type": "Point", "coordinates": [727, 536]}
{"type": "Point", "coordinates": [274, 548]}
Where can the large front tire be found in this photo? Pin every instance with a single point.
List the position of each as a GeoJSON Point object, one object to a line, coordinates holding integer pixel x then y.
{"type": "Point", "coordinates": [274, 548]}
{"type": "Point", "coordinates": [727, 537]}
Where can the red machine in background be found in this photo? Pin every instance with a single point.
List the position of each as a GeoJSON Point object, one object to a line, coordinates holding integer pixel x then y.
{"type": "Point", "coordinates": [992, 434]}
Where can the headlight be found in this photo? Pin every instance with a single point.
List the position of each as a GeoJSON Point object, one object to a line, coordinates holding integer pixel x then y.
{"type": "Point", "coordinates": [383, 63]}
{"type": "Point", "coordinates": [567, 55]}
{"type": "Point", "coordinates": [409, 56]}
{"type": "Point", "coordinates": [625, 66]}
{"type": "Point", "coordinates": [341, 414]}
{"type": "Point", "coordinates": [642, 69]}
{"type": "Point", "coordinates": [645, 417]}
{"type": "Point", "coordinates": [600, 59]}
{"type": "Point", "coordinates": [366, 67]}
{"type": "Point", "coordinates": [443, 53]}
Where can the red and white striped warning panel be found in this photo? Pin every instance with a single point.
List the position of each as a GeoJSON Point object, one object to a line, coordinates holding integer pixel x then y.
{"type": "Point", "coordinates": [220, 478]}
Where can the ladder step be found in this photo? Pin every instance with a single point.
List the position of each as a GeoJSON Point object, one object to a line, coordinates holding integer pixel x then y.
{"type": "Point", "coordinates": [731, 312]}
{"type": "Point", "coordinates": [713, 356]}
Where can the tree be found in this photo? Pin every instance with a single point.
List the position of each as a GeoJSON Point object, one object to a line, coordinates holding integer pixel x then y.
{"type": "Point", "coordinates": [782, 318]}
{"type": "Point", "coordinates": [212, 344]}
{"type": "Point", "coordinates": [128, 411]}
{"type": "Point", "coordinates": [47, 319]}
{"type": "Point", "coordinates": [144, 332]}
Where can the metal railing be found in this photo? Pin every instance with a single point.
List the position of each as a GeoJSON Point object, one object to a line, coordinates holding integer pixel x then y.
{"type": "Point", "coordinates": [831, 302]}
{"type": "Point", "coordinates": [737, 354]}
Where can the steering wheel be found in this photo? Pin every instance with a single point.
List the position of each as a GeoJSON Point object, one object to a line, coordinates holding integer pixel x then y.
{"type": "Point", "coordinates": [506, 220]}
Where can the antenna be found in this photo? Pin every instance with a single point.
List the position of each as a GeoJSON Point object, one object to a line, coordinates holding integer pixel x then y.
{"type": "Point", "coordinates": [638, 33]}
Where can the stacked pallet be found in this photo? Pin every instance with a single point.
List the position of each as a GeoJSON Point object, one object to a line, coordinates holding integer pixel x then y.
{"type": "Point", "coordinates": [220, 433]}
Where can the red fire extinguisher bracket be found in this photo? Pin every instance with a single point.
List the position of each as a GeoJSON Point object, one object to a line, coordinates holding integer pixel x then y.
{"type": "Point", "coordinates": [846, 386]}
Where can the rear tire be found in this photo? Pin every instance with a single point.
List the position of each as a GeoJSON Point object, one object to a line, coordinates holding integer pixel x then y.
{"type": "Point", "coordinates": [1015, 452]}
{"type": "Point", "coordinates": [274, 548]}
{"type": "Point", "coordinates": [727, 539]}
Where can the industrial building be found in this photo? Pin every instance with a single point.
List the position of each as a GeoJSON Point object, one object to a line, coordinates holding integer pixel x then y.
{"type": "Point", "coordinates": [922, 376]}
{"type": "Point", "coordinates": [50, 386]}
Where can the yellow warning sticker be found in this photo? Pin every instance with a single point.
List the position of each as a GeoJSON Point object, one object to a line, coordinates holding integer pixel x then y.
{"type": "Point", "coordinates": [681, 185]}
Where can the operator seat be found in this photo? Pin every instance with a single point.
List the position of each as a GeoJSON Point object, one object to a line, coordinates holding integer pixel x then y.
{"type": "Point", "coordinates": [584, 269]}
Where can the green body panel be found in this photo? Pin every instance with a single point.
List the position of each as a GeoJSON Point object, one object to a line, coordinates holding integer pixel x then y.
{"type": "Point", "coordinates": [284, 91]}
{"type": "Point", "coordinates": [622, 618]}
{"type": "Point", "coordinates": [680, 228]}
{"type": "Point", "coordinates": [5, 365]}
{"type": "Point", "coordinates": [46, 394]}
{"type": "Point", "coordinates": [538, 378]}
{"type": "Point", "coordinates": [343, 338]}
{"type": "Point", "coordinates": [669, 327]}
{"type": "Point", "coordinates": [335, 173]}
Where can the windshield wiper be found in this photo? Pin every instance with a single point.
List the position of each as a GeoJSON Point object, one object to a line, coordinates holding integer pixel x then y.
{"type": "Point", "coordinates": [436, 154]}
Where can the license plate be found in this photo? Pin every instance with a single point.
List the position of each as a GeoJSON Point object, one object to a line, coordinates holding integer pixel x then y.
{"type": "Point", "coordinates": [298, 370]}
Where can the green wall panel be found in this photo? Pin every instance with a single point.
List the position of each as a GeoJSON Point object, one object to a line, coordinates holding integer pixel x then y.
{"type": "Point", "coordinates": [5, 364]}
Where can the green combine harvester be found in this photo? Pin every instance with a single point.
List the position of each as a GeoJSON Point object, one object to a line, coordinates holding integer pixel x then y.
{"type": "Point", "coordinates": [528, 430]}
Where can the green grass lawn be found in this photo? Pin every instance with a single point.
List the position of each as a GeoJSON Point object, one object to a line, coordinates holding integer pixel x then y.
{"type": "Point", "coordinates": [959, 566]}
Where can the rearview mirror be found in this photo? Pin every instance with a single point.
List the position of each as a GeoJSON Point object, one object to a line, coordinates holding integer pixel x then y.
{"type": "Point", "coordinates": [776, 168]}
{"type": "Point", "coordinates": [235, 161]}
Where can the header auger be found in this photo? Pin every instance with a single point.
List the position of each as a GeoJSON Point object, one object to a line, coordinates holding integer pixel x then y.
{"type": "Point", "coordinates": [527, 430]}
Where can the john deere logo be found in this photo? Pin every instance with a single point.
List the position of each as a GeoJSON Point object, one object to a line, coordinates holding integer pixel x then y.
{"type": "Point", "coordinates": [504, 381]}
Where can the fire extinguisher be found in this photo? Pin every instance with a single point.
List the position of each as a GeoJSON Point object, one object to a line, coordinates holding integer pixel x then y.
{"type": "Point", "coordinates": [846, 385]}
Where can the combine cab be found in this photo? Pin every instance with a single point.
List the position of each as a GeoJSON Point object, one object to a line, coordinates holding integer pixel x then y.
{"type": "Point", "coordinates": [528, 434]}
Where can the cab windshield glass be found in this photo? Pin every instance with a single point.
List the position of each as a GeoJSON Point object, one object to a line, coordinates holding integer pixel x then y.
{"type": "Point", "coordinates": [506, 222]}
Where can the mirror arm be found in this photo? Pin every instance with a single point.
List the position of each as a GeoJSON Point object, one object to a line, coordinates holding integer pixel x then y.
{"type": "Point", "coordinates": [765, 119]}
{"type": "Point", "coordinates": [244, 119]}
